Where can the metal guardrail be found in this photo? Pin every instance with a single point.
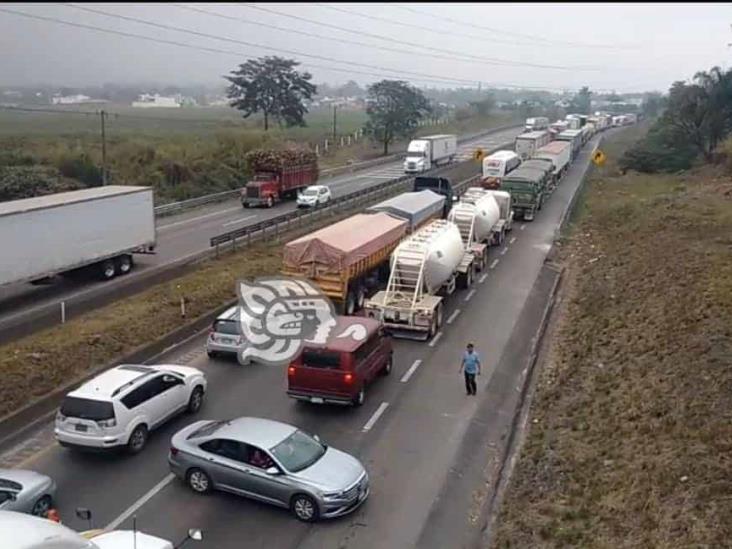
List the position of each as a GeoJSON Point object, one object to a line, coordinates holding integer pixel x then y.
{"type": "Point", "coordinates": [175, 207]}
{"type": "Point", "coordinates": [273, 226]}
{"type": "Point", "coordinates": [195, 202]}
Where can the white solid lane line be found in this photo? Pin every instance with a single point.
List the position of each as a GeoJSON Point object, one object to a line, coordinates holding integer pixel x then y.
{"type": "Point", "coordinates": [374, 418]}
{"type": "Point", "coordinates": [435, 339]}
{"type": "Point", "coordinates": [482, 278]}
{"type": "Point", "coordinates": [493, 265]}
{"type": "Point", "coordinates": [453, 316]}
{"type": "Point", "coordinates": [235, 221]}
{"type": "Point", "coordinates": [471, 293]}
{"type": "Point", "coordinates": [412, 369]}
{"type": "Point", "coordinates": [140, 502]}
{"type": "Point", "coordinates": [192, 219]}
{"type": "Point", "coordinates": [513, 240]}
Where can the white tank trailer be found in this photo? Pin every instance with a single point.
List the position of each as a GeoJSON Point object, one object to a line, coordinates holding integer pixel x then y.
{"type": "Point", "coordinates": [428, 263]}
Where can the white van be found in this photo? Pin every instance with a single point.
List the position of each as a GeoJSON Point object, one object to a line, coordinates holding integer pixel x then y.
{"type": "Point", "coordinates": [497, 165]}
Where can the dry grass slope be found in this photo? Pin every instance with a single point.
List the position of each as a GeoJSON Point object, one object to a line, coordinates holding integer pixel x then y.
{"type": "Point", "coordinates": [630, 443]}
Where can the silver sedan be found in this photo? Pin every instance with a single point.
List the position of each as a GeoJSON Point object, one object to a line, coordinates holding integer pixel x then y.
{"type": "Point", "coordinates": [26, 492]}
{"type": "Point", "coordinates": [271, 462]}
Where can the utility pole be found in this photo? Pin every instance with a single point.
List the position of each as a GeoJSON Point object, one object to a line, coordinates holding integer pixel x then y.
{"type": "Point", "coordinates": [334, 123]}
{"type": "Point", "coordinates": [103, 115]}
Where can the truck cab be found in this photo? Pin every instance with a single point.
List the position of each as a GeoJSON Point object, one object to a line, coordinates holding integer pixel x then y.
{"type": "Point", "coordinates": [262, 189]}
{"type": "Point", "coordinates": [439, 185]}
{"type": "Point", "coordinates": [527, 189]}
{"type": "Point", "coordinates": [419, 156]}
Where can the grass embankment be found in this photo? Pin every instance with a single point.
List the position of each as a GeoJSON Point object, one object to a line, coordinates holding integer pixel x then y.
{"type": "Point", "coordinates": [630, 431]}
{"type": "Point", "coordinates": [181, 153]}
{"type": "Point", "coordinates": [38, 364]}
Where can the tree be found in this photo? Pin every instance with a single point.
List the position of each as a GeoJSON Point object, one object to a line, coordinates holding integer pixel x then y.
{"type": "Point", "coordinates": [394, 110]}
{"type": "Point", "coordinates": [350, 89]}
{"type": "Point", "coordinates": [272, 86]}
{"type": "Point", "coordinates": [582, 102]}
{"type": "Point", "coordinates": [652, 104]}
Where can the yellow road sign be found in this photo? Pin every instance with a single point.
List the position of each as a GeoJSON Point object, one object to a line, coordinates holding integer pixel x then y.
{"type": "Point", "coordinates": [599, 158]}
{"type": "Point", "coordinates": [478, 154]}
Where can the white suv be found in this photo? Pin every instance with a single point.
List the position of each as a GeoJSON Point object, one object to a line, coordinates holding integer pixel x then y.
{"type": "Point", "coordinates": [120, 406]}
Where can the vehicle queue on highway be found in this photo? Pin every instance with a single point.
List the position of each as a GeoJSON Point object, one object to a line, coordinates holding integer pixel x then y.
{"type": "Point", "coordinates": [387, 269]}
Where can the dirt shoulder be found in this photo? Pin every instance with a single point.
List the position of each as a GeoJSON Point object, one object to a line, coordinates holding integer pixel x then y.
{"type": "Point", "coordinates": [630, 438]}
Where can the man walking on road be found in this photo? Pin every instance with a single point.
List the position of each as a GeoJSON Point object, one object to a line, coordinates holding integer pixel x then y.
{"type": "Point", "coordinates": [471, 365]}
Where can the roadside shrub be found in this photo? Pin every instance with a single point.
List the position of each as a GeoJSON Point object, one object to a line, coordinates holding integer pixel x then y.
{"type": "Point", "coordinates": [17, 182]}
{"type": "Point", "coordinates": [82, 168]}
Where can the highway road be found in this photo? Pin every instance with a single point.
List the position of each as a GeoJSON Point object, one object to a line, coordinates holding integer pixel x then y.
{"type": "Point", "coordinates": [408, 433]}
{"type": "Point", "coordinates": [180, 238]}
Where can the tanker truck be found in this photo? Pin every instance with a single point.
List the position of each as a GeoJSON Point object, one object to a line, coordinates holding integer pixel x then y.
{"type": "Point", "coordinates": [478, 218]}
{"type": "Point", "coordinates": [503, 200]}
{"type": "Point", "coordinates": [431, 261]}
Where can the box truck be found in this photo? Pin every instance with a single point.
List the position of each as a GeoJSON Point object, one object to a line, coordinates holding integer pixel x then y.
{"type": "Point", "coordinates": [528, 143]}
{"type": "Point", "coordinates": [427, 152]}
{"type": "Point", "coordinates": [97, 229]}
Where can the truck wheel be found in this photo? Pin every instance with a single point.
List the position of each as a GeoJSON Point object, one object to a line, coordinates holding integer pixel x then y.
{"type": "Point", "coordinates": [124, 264]}
{"type": "Point", "coordinates": [438, 317]}
{"type": "Point", "coordinates": [360, 296]}
{"type": "Point", "coordinates": [246, 205]}
{"type": "Point", "coordinates": [350, 304]}
{"type": "Point", "coordinates": [107, 269]}
{"type": "Point", "coordinates": [469, 278]}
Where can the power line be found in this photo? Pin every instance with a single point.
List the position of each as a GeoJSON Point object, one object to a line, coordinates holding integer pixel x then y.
{"type": "Point", "coordinates": [412, 44]}
{"type": "Point", "coordinates": [546, 41]}
{"type": "Point", "coordinates": [252, 44]}
{"type": "Point", "coordinates": [484, 61]}
{"type": "Point", "coordinates": [427, 29]}
{"type": "Point", "coordinates": [239, 55]}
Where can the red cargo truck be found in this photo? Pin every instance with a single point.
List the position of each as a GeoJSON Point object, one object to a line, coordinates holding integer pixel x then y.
{"type": "Point", "coordinates": [277, 175]}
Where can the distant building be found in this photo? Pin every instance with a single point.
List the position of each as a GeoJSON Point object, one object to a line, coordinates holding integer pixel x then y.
{"type": "Point", "coordinates": [146, 101]}
{"type": "Point", "coordinates": [74, 100]}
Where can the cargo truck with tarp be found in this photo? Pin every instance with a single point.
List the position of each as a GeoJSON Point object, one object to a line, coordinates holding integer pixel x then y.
{"type": "Point", "coordinates": [528, 190]}
{"type": "Point", "coordinates": [346, 259]}
{"type": "Point", "coordinates": [574, 137]}
{"type": "Point", "coordinates": [277, 174]}
{"type": "Point", "coordinates": [416, 208]}
{"type": "Point", "coordinates": [559, 154]}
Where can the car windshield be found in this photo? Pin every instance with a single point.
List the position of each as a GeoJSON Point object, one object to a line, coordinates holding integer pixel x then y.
{"type": "Point", "coordinates": [310, 192]}
{"type": "Point", "coordinates": [492, 171]}
{"type": "Point", "coordinates": [298, 451]}
{"type": "Point", "coordinates": [84, 408]}
{"type": "Point", "coordinates": [228, 327]}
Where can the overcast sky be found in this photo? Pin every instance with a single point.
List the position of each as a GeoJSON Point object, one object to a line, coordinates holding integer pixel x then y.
{"type": "Point", "coordinates": [626, 47]}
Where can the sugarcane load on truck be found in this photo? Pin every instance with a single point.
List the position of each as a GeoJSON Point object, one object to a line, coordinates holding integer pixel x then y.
{"type": "Point", "coordinates": [278, 174]}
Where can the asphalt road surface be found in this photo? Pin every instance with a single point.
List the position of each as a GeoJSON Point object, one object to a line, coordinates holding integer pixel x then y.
{"type": "Point", "coordinates": [183, 237]}
{"type": "Point", "coordinates": [408, 433]}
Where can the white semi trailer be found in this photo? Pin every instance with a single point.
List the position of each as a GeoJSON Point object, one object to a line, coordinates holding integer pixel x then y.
{"type": "Point", "coordinates": [428, 152]}
{"type": "Point", "coordinates": [97, 229]}
{"type": "Point", "coordinates": [425, 268]}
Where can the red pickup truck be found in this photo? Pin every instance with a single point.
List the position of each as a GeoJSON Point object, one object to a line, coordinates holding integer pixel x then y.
{"type": "Point", "coordinates": [277, 175]}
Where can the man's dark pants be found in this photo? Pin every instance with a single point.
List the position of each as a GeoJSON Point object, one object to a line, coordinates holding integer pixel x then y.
{"type": "Point", "coordinates": [470, 385]}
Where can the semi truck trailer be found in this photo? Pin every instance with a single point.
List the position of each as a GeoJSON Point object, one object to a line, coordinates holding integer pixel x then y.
{"type": "Point", "coordinates": [96, 230]}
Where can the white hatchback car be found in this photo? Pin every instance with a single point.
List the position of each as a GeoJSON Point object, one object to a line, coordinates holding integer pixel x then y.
{"type": "Point", "coordinates": [314, 195]}
{"type": "Point", "coordinates": [122, 405]}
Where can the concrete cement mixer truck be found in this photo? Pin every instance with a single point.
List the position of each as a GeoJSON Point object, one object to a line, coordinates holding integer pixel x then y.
{"type": "Point", "coordinates": [478, 218]}
{"type": "Point", "coordinates": [426, 266]}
